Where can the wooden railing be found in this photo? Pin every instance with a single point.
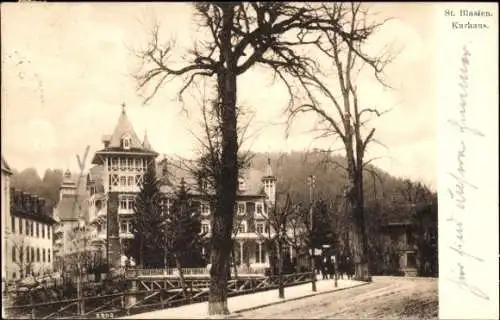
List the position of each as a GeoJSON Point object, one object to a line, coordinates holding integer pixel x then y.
{"type": "Point", "coordinates": [241, 270]}
{"type": "Point", "coordinates": [146, 298]}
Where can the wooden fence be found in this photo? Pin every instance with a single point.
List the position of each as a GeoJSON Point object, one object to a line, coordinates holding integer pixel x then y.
{"type": "Point", "coordinates": [148, 295]}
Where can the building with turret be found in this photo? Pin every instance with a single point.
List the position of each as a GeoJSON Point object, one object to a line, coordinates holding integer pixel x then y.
{"type": "Point", "coordinates": [71, 212]}
{"type": "Point", "coordinates": [115, 179]}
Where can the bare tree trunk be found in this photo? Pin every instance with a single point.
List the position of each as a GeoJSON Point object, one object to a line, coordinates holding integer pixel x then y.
{"type": "Point", "coordinates": [281, 287]}
{"type": "Point", "coordinates": [227, 182]}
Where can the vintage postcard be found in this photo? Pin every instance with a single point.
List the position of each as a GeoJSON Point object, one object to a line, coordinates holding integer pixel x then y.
{"type": "Point", "coordinates": [270, 160]}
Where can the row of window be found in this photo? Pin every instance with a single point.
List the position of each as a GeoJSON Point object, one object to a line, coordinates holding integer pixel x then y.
{"type": "Point", "coordinates": [28, 254]}
{"type": "Point", "coordinates": [32, 229]}
{"type": "Point", "coordinates": [260, 227]}
{"type": "Point", "coordinates": [123, 164]}
{"type": "Point", "coordinates": [125, 180]}
{"type": "Point", "coordinates": [126, 203]}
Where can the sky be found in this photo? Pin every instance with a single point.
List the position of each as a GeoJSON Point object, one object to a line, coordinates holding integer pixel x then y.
{"type": "Point", "coordinates": [66, 70]}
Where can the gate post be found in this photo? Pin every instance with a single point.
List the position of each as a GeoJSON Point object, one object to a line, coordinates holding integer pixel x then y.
{"type": "Point", "coordinates": [131, 297]}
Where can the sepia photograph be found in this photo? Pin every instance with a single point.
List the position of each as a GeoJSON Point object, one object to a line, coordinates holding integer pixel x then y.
{"type": "Point", "coordinates": [261, 160]}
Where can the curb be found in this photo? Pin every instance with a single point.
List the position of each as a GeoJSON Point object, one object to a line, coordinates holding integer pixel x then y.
{"type": "Point", "coordinates": [235, 314]}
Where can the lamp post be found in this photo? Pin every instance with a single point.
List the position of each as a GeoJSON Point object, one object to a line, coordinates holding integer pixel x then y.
{"type": "Point", "coordinates": [311, 181]}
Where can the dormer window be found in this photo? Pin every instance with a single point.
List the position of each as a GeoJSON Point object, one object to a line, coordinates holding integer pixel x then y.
{"type": "Point", "coordinates": [126, 142]}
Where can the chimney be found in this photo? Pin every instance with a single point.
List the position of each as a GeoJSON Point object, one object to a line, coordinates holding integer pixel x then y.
{"type": "Point", "coordinates": [34, 204]}
{"type": "Point", "coordinates": [41, 206]}
{"type": "Point", "coordinates": [26, 203]}
{"type": "Point", "coordinates": [106, 140]}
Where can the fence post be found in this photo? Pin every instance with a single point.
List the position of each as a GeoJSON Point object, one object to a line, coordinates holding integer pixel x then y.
{"type": "Point", "coordinates": [131, 297]}
{"type": "Point", "coordinates": [33, 312]}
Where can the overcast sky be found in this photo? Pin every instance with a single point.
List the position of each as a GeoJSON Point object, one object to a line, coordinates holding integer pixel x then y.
{"type": "Point", "coordinates": [66, 67]}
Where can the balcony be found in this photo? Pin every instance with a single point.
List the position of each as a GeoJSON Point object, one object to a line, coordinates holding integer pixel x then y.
{"type": "Point", "coordinates": [126, 235]}
{"type": "Point", "coordinates": [124, 211]}
{"type": "Point", "coordinates": [131, 188]}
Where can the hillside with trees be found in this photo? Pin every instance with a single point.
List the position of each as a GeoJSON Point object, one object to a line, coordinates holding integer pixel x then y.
{"type": "Point", "coordinates": [28, 180]}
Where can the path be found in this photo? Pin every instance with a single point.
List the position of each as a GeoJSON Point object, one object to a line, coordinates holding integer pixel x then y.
{"type": "Point", "coordinates": [385, 298]}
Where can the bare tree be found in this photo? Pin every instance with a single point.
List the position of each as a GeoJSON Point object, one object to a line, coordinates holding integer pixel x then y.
{"type": "Point", "coordinates": [240, 36]}
{"type": "Point", "coordinates": [21, 254]}
{"type": "Point", "coordinates": [344, 117]}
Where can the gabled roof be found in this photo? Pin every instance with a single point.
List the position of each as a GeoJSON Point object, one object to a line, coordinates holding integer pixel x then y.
{"type": "Point", "coordinates": [268, 172]}
{"type": "Point", "coordinates": [71, 207]}
{"type": "Point", "coordinates": [5, 167]}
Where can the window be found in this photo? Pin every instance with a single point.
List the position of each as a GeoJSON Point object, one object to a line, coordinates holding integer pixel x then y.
{"type": "Point", "coordinates": [14, 254]}
{"type": "Point", "coordinates": [37, 254]}
{"type": "Point", "coordinates": [37, 230]}
{"type": "Point", "coordinates": [258, 208]}
{"type": "Point", "coordinates": [43, 255]}
{"type": "Point", "coordinates": [13, 224]}
{"type": "Point", "coordinates": [114, 163]}
{"type": "Point", "coordinates": [130, 180]}
{"type": "Point", "coordinates": [123, 227]}
{"type": "Point", "coordinates": [126, 142]}
{"type": "Point", "coordinates": [20, 226]}
{"type": "Point", "coordinates": [205, 209]}
{"type": "Point", "coordinates": [14, 275]}
{"type": "Point", "coordinates": [32, 226]}
{"type": "Point", "coordinates": [126, 226]}
{"type": "Point", "coordinates": [21, 255]}
{"type": "Point", "coordinates": [242, 227]}
{"type": "Point", "coordinates": [49, 231]}
{"type": "Point", "coordinates": [241, 184]}
{"type": "Point", "coordinates": [259, 227]}
{"type": "Point", "coordinates": [205, 228]}
{"type": "Point", "coordinates": [48, 255]}
{"type": "Point", "coordinates": [32, 254]}
{"type": "Point", "coordinates": [130, 165]}
{"type": "Point", "coordinates": [259, 253]}
{"type": "Point", "coordinates": [241, 208]}
{"type": "Point", "coordinates": [123, 181]}
{"type": "Point", "coordinates": [43, 231]}
{"type": "Point", "coordinates": [27, 227]}
{"type": "Point", "coordinates": [126, 202]}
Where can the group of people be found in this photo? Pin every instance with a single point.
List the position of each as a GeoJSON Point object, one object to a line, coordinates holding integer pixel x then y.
{"type": "Point", "coordinates": [329, 267]}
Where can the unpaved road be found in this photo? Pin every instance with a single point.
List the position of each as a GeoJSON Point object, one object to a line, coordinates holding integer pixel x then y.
{"type": "Point", "coordinates": [385, 298]}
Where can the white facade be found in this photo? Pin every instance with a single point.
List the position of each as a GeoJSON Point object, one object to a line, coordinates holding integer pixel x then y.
{"type": "Point", "coordinates": [30, 247]}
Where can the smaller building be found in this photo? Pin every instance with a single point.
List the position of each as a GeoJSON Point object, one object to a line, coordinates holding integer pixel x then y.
{"type": "Point", "coordinates": [5, 204]}
{"type": "Point", "coordinates": [414, 241]}
{"type": "Point", "coordinates": [69, 214]}
{"type": "Point", "coordinates": [30, 238]}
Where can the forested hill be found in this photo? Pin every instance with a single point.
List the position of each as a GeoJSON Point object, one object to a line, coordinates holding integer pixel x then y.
{"type": "Point", "coordinates": [47, 187]}
{"type": "Point", "coordinates": [291, 169]}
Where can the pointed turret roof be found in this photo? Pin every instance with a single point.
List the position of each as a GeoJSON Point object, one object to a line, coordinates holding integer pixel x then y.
{"type": "Point", "coordinates": [146, 143]}
{"type": "Point", "coordinates": [113, 144]}
{"type": "Point", "coordinates": [122, 129]}
{"type": "Point", "coordinates": [268, 172]}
